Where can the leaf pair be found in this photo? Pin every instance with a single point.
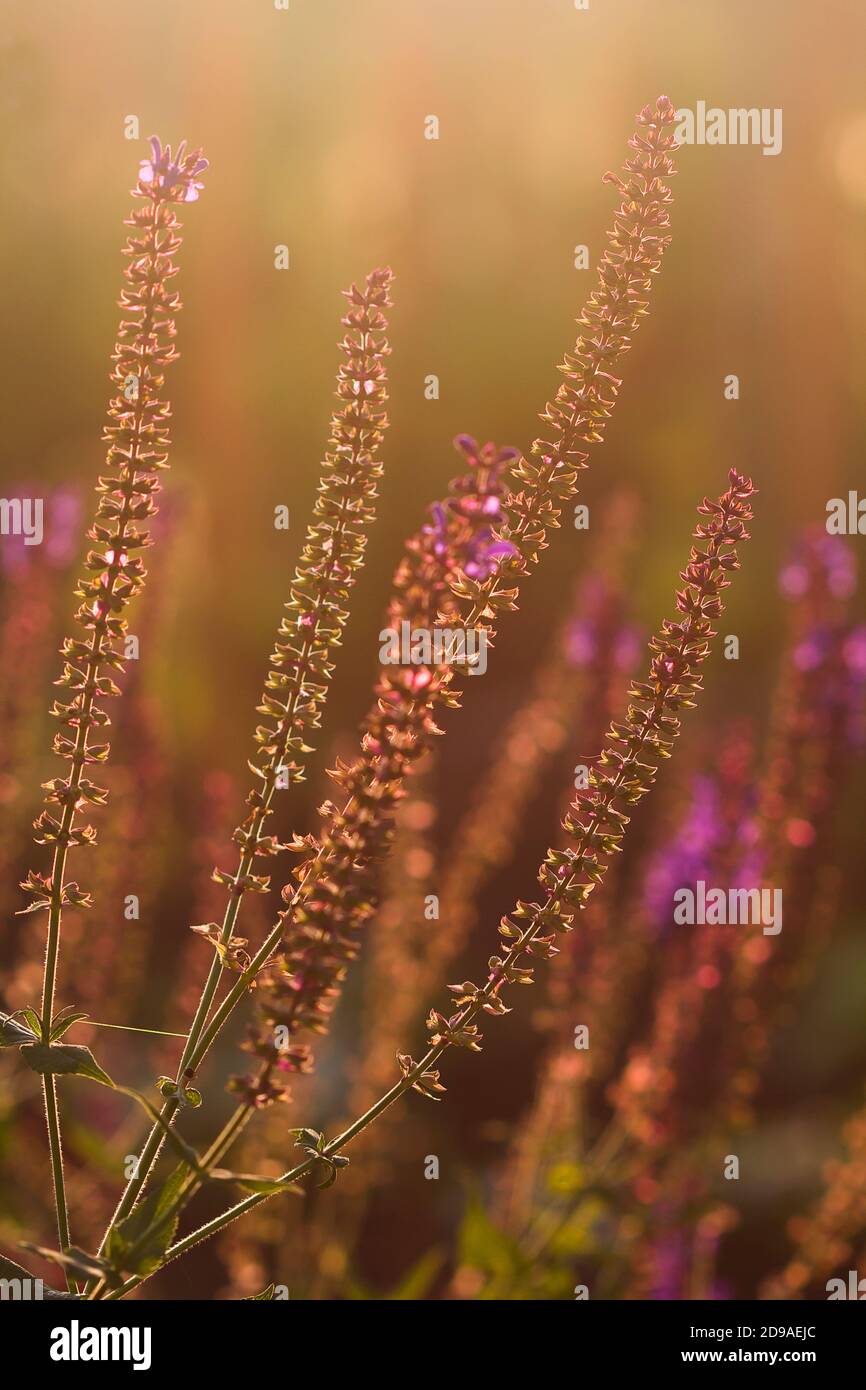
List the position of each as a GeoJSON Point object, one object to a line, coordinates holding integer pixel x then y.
{"type": "Point", "coordinates": [313, 1145]}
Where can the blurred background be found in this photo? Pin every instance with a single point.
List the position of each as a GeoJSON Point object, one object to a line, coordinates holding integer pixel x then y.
{"type": "Point", "coordinates": [313, 121]}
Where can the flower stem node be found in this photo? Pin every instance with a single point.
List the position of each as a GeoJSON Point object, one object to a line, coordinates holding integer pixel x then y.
{"type": "Point", "coordinates": [186, 1096]}
{"type": "Point", "coordinates": [312, 1143]}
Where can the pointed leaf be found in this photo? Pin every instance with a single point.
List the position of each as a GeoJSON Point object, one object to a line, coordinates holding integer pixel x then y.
{"type": "Point", "coordinates": [65, 1059]}
{"type": "Point", "coordinates": [13, 1034]}
{"type": "Point", "coordinates": [64, 1021]}
{"type": "Point", "coordinates": [10, 1270]}
{"type": "Point", "coordinates": [138, 1243]}
{"type": "Point", "coordinates": [78, 1262]}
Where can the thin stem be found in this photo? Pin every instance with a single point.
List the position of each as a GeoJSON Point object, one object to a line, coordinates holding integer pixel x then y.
{"type": "Point", "coordinates": [342, 538]}
{"type": "Point", "coordinates": [269, 945]}
{"type": "Point", "coordinates": [620, 783]}
{"type": "Point", "coordinates": [465, 1015]}
{"type": "Point", "coordinates": [295, 1174]}
{"type": "Point", "coordinates": [218, 1149]}
{"type": "Point", "coordinates": [203, 1034]}
{"type": "Point", "coordinates": [197, 1048]}
{"type": "Point", "coordinates": [192, 1053]}
{"type": "Point", "coordinates": [79, 759]}
{"type": "Point", "coordinates": [146, 1160]}
{"type": "Point", "coordinates": [49, 1091]}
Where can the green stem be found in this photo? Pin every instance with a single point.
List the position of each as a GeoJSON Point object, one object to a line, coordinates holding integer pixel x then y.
{"type": "Point", "coordinates": [146, 1160]}
{"type": "Point", "coordinates": [220, 1146]}
{"type": "Point", "coordinates": [193, 1052]}
{"type": "Point", "coordinates": [295, 1174]}
{"type": "Point", "coordinates": [272, 941]}
{"type": "Point", "coordinates": [49, 1091]}
{"type": "Point", "coordinates": [198, 1045]}
{"type": "Point", "coordinates": [465, 1016]}
{"type": "Point", "coordinates": [79, 760]}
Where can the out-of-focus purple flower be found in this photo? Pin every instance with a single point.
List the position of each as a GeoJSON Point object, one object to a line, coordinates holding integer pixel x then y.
{"type": "Point", "coordinates": [813, 650]}
{"type": "Point", "coordinates": [61, 528]}
{"type": "Point", "coordinates": [820, 562]}
{"type": "Point", "coordinates": [600, 634]}
{"type": "Point", "coordinates": [751, 869]}
{"type": "Point", "coordinates": [839, 565]}
{"type": "Point", "coordinates": [854, 652]}
{"type": "Point", "coordinates": [580, 642]}
{"type": "Point", "coordinates": [17, 558]}
{"type": "Point", "coordinates": [794, 580]}
{"type": "Point", "coordinates": [668, 1267]}
{"type": "Point", "coordinates": [64, 527]}
{"type": "Point", "coordinates": [689, 855]}
{"type": "Point", "coordinates": [627, 648]}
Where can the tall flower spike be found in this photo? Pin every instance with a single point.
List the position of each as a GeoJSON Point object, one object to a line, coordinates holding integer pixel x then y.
{"type": "Point", "coordinates": [301, 663]}
{"type": "Point", "coordinates": [398, 731]}
{"type": "Point", "coordinates": [585, 400]}
{"type": "Point", "coordinates": [138, 439]}
{"type": "Point", "coordinates": [336, 891]}
{"type": "Point", "coordinates": [824, 1240]}
{"type": "Point", "coordinates": [301, 666]}
{"type": "Point", "coordinates": [574, 687]}
{"type": "Point", "coordinates": [335, 878]}
{"type": "Point", "coordinates": [622, 774]}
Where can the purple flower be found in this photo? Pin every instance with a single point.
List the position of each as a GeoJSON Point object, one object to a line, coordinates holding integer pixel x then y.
{"type": "Point", "coordinates": [813, 650]}
{"type": "Point", "coordinates": [854, 652]}
{"type": "Point", "coordinates": [438, 530]}
{"type": "Point", "coordinates": [689, 854]}
{"type": "Point", "coordinates": [172, 177]}
{"type": "Point", "coordinates": [64, 513]}
{"type": "Point", "coordinates": [461, 529]}
{"type": "Point", "coordinates": [483, 554]}
{"type": "Point", "coordinates": [627, 647]}
{"type": "Point", "coordinates": [794, 580]}
{"type": "Point", "coordinates": [580, 642]}
{"type": "Point", "coordinates": [669, 1267]}
{"type": "Point", "coordinates": [821, 562]}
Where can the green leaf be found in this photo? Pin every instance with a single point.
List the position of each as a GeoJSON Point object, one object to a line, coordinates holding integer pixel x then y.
{"type": "Point", "coordinates": [13, 1034]}
{"type": "Point", "coordinates": [417, 1282]}
{"type": "Point", "coordinates": [64, 1020]}
{"type": "Point", "coordinates": [311, 1142]}
{"type": "Point", "coordinates": [266, 1294]}
{"type": "Point", "coordinates": [78, 1262]}
{"type": "Point", "coordinates": [484, 1247]}
{"type": "Point", "coordinates": [10, 1270]}
{"type": "Point", "coordinates": [32, 1019]}
{"type": "Point", "coordinates": [138, 1243]}
{"type": "Point", "coordinates": [309, 1139]}
{"type": "Point", "coordinates": [65, 1059]}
